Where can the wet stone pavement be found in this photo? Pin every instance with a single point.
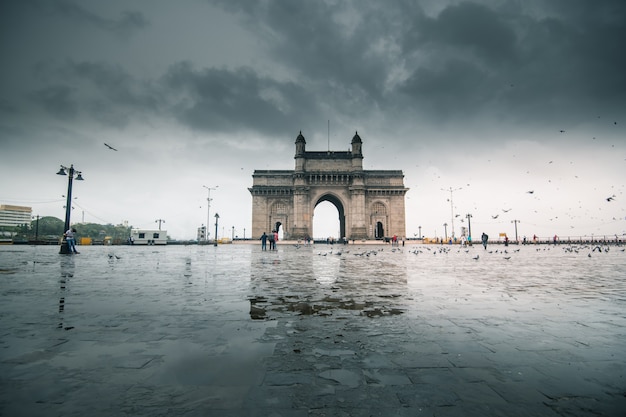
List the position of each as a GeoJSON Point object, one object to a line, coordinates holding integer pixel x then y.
{"type": "Point", "coordinates": [356, 330]}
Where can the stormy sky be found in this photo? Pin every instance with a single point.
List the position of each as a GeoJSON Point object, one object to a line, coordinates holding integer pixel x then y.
{"type": "Point", "coordinates": [490, 99]}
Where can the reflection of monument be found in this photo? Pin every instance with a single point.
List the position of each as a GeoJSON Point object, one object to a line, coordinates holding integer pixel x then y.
{"type": "Point", "coordinates": [370, 203]}
{"type": "Point", "coordinates": [340, 283]}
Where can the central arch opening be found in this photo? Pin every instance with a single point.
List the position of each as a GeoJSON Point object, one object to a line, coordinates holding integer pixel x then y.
{"type": "Point", "coordinates": [328, 219]}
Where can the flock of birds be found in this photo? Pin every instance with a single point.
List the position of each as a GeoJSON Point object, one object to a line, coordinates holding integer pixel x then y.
{"type": "Point", "coordinates": [443, 250]}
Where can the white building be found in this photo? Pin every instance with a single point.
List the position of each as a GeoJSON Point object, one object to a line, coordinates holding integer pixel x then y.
{"type": "Point", "coordinates": [148, 237]}
{"type": "Point", "coordinates": [15, 215]}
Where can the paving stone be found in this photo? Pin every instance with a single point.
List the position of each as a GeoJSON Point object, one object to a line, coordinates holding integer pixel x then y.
{"type": "Point", "coordinates": [234, 331]}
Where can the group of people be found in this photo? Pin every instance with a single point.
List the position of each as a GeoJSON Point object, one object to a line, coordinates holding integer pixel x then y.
{"type": "Point", "coordinates": [272, 238]}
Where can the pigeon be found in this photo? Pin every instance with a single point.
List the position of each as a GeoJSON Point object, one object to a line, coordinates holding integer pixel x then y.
{"type": "Point", "coordinates": [110, 147]}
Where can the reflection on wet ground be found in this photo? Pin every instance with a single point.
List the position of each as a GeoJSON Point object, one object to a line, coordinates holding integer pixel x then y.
{"type": "Point", "coordinates": [310, 281]}
{"type": "Point", "coordinates": [353, 330]}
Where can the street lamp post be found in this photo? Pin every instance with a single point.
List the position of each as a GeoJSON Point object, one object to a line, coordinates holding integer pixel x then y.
{"type": "Point", "coordinates": [208, 210]}
{"type": "Point", "coordinates": [70, 172]}
{"type": "Point", "coordinates": [452, 207]}
{"type": "Point", "coordinates": [469, 228]}
{"type": "Point", "coordinates": [159, 221]}
{"type": "Point", "coordinates": [217, 216]}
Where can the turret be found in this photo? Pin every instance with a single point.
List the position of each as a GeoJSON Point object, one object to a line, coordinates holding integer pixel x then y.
{"type": "Point", "coordinates": [300, 145]}
{"type": "Point", "coordinates": [300, 151]}
{"type": "Point", "coordinates": [357, 154]}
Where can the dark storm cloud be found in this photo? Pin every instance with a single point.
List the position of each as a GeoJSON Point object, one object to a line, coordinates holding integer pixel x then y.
{"type": "Point", "coordinates": [208, 99]}
{"type": "Point", "coordinates": [104, 92]}
{"type": "Point", "coordinates": [229, 100]}
{"type": "Point", "coordinates": [58, 100]}
{"type": "Point", "coordinates": [535, 61]}
{"type": "Point", "coordinates": [128, 23]}
{"type": "Point", "coordinates": [531, 62]}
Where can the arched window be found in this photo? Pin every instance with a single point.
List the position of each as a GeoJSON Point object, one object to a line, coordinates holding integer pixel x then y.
{"type": "Point", "coordinates": [379, 208]}
{"type": "Point", "coordinates": [279, 208]}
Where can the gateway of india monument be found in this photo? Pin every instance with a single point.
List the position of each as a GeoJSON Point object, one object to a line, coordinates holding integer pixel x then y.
{"type": "Point", "coordinates": [370, 203]}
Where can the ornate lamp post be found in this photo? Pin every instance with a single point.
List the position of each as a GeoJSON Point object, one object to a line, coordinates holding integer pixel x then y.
{"type": "Point", "coordinates": [70, 172]}
{"type": "Point", "coordinates": [217, 216]}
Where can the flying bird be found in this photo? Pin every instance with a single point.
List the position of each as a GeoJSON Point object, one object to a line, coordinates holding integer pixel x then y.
{"type": "Point", "coordinates": [495, 217]}
{"type": "Point", "coordinates": [110, 147]}
{"type": "Point", "coordinates": [530, 192]}
{"type": "Point", "coordinates": [562, 131]}
{"type": "Point", "coordinates": [506, 211]}
{"type": "Point", "coordinates": [611, 198]}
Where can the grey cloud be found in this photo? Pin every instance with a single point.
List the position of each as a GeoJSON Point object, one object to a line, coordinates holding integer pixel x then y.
{"type": "Point", "coordinates": [125, 25]}
{"type": "Point", "coordinates": [467, 61]}
{"type": "Point", "coordinates": [106, 93]}
{"type": "Point", "coordinates": [225, 100]}
{"type": "Point", "coordinates": [473, 26]}
{"type": "Point", "coordinates": [58, 100]}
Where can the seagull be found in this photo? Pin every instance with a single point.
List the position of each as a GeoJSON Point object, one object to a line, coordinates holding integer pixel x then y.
{"type": "Point", "coordinates": [562, 131]}
{"type": "Point", "coordinates": [110, 147]}
{"type": "Point", "coordinates": [506, 211]}
{"type": "Point", "coordinates": [610, 198]}
{"type": "Point", "coordinates": [530, 192]}
{"type": "Point", "coordinates": [495, 217]}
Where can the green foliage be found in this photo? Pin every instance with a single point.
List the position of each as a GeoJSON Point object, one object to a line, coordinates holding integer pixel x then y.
{"type": "Point", "coordinates": [52, 226]}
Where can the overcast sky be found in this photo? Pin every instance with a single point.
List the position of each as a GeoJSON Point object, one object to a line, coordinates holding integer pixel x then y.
{"type": "Point", "coordinates": [491, 99]}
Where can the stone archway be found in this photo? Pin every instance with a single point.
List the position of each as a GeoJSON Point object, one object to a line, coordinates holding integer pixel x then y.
{"type": "Point", "coordinates": [289, 197]}
{"type": "Point", "coordinates": [335, 201]}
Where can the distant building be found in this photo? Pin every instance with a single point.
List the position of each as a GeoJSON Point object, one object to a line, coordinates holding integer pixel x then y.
{"type": "Point", "coordinates": [15, 215]}
{"type": "Point", "coordinates": [201, 233]}
{"type": "Point", "coordinates": [148, 237]}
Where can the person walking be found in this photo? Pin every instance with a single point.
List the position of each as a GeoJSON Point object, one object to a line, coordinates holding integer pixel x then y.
{"type": "Point", "coordinates": [484, 238]}
{"type": "Point", "coordinates": [71, 240]}
{"type": "Point", "coordinates": [264, 241]}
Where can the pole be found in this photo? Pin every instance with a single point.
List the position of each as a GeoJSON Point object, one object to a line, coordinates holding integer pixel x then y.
{"type": "Point", "coordinates": [217, 216]}
{"type": "Point", "coordinates": [208, 211]}
{"type": "Point", "coordinates": [65, 248]}
{"type": "Point", "coordinates": [469, 227]}
{"type": "Point", "coordinates": [159, 221]}
{"type": "Point", "coordinates": [515, 221]}
{"type": "Point", "coordinates": [233, 237]}
{"type": "Point", "coordinates": [37, 230]}
{"type": "Point", "coordinates": [445, 230]}
{"type": "Point", "coordinates": [452, 207]}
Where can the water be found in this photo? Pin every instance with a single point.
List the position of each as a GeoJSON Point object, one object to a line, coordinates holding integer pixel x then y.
{"type": "Point", "coordinates": [355, 329]}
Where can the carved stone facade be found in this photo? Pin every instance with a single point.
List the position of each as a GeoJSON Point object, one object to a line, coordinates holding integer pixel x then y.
{"type": "Point", "coordinates": [370, 203]}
